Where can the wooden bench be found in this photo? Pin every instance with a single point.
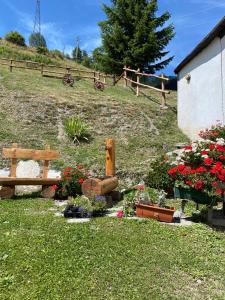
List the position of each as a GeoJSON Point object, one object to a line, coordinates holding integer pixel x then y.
{"type": "Point", "coordinates": [8, 183]}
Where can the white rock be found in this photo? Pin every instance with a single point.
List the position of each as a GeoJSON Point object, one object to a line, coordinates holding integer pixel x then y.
{"type": "Point", "coordinates": [27, 169]}
{"type": "Point", "coordinates": [82, 220]}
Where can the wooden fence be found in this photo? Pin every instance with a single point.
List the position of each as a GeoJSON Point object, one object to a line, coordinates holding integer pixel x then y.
{"type": "Point", "coordinates": [138, 84]}
{"type": "Point", "coordinates": [55, 71]}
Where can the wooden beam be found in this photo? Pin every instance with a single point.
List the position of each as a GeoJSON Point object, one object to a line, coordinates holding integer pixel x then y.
{"type": "Point", "coordinates": [10, 181]}
{"type": "Point", "coordinates": [96, 187]}
{"type": "Point", "coordinates": [30, 154]}
{"type": "Point", "coordinates": [148, 86]}
{"type": "Point", "coordinates": [46, 164]}
{"type": "Point", "coordinates": [14, 161]}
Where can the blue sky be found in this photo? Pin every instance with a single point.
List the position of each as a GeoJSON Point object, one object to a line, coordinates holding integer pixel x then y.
{"type": "Point", "coordinates": [64, 21]}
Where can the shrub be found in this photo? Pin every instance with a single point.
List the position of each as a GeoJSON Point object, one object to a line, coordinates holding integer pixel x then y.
{"type": "Point", "coordinates": [76, 129]}
{"type": "Point", "coordinates": [42, 50]}
{"type": "Point", "coordinates": [15, 38]}
{"type": "Point", "coordinates": [158, 176]}
{"type": "Point", "coordinates": [56, 54]}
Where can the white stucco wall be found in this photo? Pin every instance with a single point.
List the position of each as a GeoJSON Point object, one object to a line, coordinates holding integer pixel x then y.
{"type": "Point", "coordinates": [200, 102]}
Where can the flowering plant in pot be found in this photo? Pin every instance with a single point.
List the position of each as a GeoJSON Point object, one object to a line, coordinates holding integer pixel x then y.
{"type": "Point", "coordinates": [200, 170]}
{"type": "Point", "coordinates": [72, 179]}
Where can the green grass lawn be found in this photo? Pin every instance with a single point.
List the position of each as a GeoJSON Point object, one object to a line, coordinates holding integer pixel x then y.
{"type": "Point", "coordinates": [43, 257]}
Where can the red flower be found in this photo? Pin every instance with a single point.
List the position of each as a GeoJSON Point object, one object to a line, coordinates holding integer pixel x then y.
{"type": "Point", "coordinates": [219, 191]}
{"type": "Point", "coordinates": [212, 147]}
{"type": "Point", "coordinates": [204, 152]}
{"type": "Point", "coordinates": [120, 214]}
{"type": "Point", "coordinates": [172, 171]}
{"type": "Point", "coordinates": [81, 180]}
{"type": "Point", "coordinates": [79, 167]}
{"type": "Point", "coordinates": [221, 177]}
{"type": "Point", "coordinates": [208, 161]}
{"type": "Point", "coordinates": [68, 169]}
{"type": "Point", "coordinates": [201, 170]}
{"type": "Point", "coordinates": [215, 184]}
{"type": "Point", "coordinates": [188, 148]}
{"type": "Point", "coordinates": [141, 187]}
{"type": "Point", "coordinates": [222, 157]}
{"type": "Point", "coordinates": [181, 167]}
{"type": "Point", "coordinates": [222, 171]}
{"type": "Point", "coordinates": [220, 148]}
{"type": "Point", "coordinates": [198, 185]}
{"type": "Point", "coordinates": [54, 187]}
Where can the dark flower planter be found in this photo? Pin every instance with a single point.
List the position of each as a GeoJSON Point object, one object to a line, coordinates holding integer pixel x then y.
{"type": "Point", "coordinates": [155, 212]}
{"type": "Point", "coordinates": [197, 196]}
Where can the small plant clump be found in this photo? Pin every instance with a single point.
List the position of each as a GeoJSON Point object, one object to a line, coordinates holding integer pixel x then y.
{"type": "Point", "coordinates": [76, 129]}
{"type": "Point", "coordinates": [213, 133]}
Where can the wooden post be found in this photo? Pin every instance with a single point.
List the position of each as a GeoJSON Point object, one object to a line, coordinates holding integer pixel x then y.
{"type": "Point", "coordinates": [163, 104]}
{"type": "Point", "coordinates": [68, 70]}
{"type": "Point", "coordinates": [14, 162]}
{"type": "Point", "coordinates": [104, 79]}
{"type": "Point", "coordinates": [138, 81]}
{"type": "Point", "coordinates": [94, 76]}
{"type": "Point", "coordinates": [99, 76]}
{"type": "Point", "coordinates": [46, 164]}
{"type": "Point", "coordinates": [125, 77]}
{"type": "Point", "coordinates": [11, 65]}
{"type": "Point", "coordinates": [110, 168]}
{"type": "Point", "coordinates": [42, 69]}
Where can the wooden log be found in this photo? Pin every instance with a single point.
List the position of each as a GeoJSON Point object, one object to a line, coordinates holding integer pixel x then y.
{"type": "Point", "coordinates": [163, 92]}
{"type": "Point", "coordinates": [110, 162]}
{"type": "Point", "coordinates": [15, 152]}
{"type": "Point", "coordinates": [11, 65]}
{"type": "Point", "coordinates": [11, 181]}
{"type": "Point", "coordinates": [46, 164]}
{"type": "Point", "coordinates": [125, 76]}
{"type": "Point", "coordinates": [7, 192]}
{"type": "Point", "coordinates": [148, 86]}
{"type": "Point", "coordinates": [97, 187]}
{"type": "Point", "coordinates": [47, 192]}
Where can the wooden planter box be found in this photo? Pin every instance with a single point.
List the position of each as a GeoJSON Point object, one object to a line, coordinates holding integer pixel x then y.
{"type": "Point", "coordinates": [155, 212]}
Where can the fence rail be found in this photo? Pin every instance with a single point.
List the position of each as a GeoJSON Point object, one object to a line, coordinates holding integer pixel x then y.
{"type": "Point", "coordinates": [53, 70]}
{"type": "Point", "coordinates": [138, 84]}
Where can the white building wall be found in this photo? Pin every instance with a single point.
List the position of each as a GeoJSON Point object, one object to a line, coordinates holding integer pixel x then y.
{"type": "Point", "coordinates": [223, 72]}
{"type": "Point", "coordinates": [200, 102]}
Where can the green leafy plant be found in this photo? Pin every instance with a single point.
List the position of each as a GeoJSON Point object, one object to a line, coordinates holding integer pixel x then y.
{"type": "Point", "coordinates": [15, 38]}
{"type": "Point", "coordinates": [76, 129]}
{"type": "Point", "coordinates": [158, 176]}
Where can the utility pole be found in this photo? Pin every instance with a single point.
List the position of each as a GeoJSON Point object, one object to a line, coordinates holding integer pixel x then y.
{"type": "Point", "coordinates": [77, 48]}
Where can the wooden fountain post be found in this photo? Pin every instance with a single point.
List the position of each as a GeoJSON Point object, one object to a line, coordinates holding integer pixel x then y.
{"type": "Point", "coordinates": [110, 162]}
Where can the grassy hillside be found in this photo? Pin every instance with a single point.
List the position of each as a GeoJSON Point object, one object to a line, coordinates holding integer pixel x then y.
{"type": "Point", "coordinates": [33, 109]}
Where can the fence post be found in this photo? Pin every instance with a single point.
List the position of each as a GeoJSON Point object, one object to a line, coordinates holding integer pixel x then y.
{"type": "Point", "coordinates": [99, 76]}
{"type": "Point", "coordinates": [94, 76]}
{"type": "Point", "coordinates": [104, 79]}
{"type": "Point", "coordinates": [163, 104]}
{"type": "Point", "coordinates": [138, 81]}
{"type": "Point", "coordinates": [42, 69]}
{"type": "Point", "coordinates": [11, 65]}
{"type": "Point", "coordinates": [125, 77]}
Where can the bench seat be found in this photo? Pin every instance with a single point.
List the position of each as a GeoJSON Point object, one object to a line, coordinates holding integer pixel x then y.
{"type": "Point", "coordinates": [12, 181]}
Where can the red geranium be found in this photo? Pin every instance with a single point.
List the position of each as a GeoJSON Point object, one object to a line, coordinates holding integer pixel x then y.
{"type": "Point", "coordinates": [208, 161]}
{"type": "Point", "coordinates": [199, 185]}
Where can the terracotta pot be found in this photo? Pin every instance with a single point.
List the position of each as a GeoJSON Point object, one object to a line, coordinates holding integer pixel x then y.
{"type": "Point", "coordinates": [155, 212]}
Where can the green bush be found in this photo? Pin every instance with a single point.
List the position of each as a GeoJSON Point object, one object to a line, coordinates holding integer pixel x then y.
{"type": "Point", "coordinates": [15, 38]}
{"type": "Point", "coordinates": [42, 50]}
{"type": "Point", "coordinates": [76, 129]}
{"type": "Point", "coordinates": [158, 176]}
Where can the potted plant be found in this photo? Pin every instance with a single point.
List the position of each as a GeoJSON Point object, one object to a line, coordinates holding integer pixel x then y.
{"type": "Point", "coordinates": [151, 204]}
{"type": "Point", "coordinates": [198, 171]}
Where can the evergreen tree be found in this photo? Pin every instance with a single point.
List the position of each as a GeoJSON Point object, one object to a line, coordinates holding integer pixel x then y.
{"type": "Point", "coordinates": [37, 40]}
{"type": "Point", "coordinates": [134, 36]}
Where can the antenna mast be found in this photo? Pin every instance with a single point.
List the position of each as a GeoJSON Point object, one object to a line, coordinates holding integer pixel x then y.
{"type": "Point", "coordinates": [37, 20]}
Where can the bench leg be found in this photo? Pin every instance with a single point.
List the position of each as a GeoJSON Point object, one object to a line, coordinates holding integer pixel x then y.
{"type": "Point", "coordinates": [47, 192]}
{"type": "Point", "coordinates": [7, 192]}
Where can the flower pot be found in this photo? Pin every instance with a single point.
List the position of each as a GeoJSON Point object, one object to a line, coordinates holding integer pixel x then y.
{"type": "Point", "coordinates": [155, 212]}
{"type": "Point", "coordinates": [197, 196]}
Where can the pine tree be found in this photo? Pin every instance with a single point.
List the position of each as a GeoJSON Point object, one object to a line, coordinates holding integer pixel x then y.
{"type": "Point", "coordinates": [135, 36]}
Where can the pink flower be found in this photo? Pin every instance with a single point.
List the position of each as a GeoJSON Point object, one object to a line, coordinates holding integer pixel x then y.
{"type": "Point", "coordinates": [120, 214]}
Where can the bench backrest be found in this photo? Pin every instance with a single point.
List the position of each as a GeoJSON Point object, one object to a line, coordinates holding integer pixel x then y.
{"type": "Point", "coordinates": [15, 153]}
